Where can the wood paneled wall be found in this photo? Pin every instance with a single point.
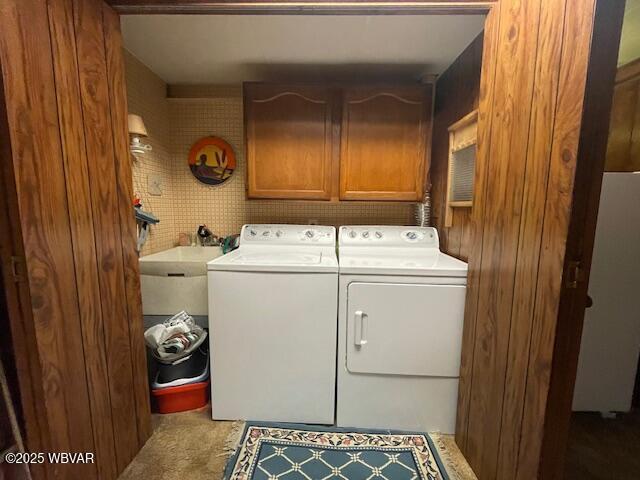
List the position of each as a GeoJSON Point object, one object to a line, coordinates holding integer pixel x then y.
{"type": "Point", "coordinates": [457, 93]}
{"type": "Point", "coordinates": [77, 310]}
{"type": "Point", "coordinates": [536, 61]}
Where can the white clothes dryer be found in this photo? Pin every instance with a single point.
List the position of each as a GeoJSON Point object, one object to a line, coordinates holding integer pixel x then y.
{"type": "Point", "coordinates": [401, 309]}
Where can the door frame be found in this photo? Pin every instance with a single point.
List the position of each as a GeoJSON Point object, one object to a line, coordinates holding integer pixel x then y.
{"type": "Point", "coordinates": [581, 238]}
{"type": "Point", "coordinates": [563, 346]}
{"type": "Point", "coordinates": [19, 324]}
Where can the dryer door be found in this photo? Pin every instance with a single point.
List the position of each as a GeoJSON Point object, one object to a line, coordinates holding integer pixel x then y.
{"type": "Point", "coordinates": [405, 329]}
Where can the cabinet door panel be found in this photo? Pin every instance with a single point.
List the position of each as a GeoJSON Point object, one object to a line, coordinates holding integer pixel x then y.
{"type": "Point", "coordinates": [289, 141]}
{"type": "Point", "coordinates": [384, 141]}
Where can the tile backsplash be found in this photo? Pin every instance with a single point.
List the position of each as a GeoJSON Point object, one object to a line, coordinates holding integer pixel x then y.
{"type": "Point", "coordinates": [174, 124]}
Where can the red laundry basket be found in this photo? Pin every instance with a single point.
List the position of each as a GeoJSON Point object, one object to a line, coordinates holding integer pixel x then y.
{"type": "Point", "coordinates": [181, 398]}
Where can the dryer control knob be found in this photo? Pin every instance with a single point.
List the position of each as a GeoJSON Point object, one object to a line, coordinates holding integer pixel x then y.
{"type": "Point", "coordinates": [253, 233]}
{"type": "Point", "coordinates": [378, 234]}
{"type": "Point", "coordinates": [353, 234]}
{"type": "Point", "coordinates": [365, 234]}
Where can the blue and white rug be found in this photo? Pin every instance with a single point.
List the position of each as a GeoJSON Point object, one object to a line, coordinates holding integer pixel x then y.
{"type": "Point", "coordinates": [301, 452]}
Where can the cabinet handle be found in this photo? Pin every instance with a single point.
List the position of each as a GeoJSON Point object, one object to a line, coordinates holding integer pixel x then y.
{"type": "Point", "coordinates": [360, 321]}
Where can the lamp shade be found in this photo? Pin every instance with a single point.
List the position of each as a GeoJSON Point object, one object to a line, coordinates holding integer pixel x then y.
{"type": "Point", "coordinates": [136, 125]}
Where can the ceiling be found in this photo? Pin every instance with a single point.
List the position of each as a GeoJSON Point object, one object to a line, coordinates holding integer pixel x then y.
{"type": "Point", "coordinates": [630, 41]}
{"type": "Point", "coordinates": [219, 49]}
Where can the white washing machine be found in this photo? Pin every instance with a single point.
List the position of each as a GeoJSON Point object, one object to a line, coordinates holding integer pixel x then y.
{"type": "Point", "coordinates": [272, 314]}
{"type": "Point", "coordinates": [401, 309]}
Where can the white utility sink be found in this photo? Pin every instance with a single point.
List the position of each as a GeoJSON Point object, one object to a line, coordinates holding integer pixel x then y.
{"type": "Point", "coordinates": [175, 280]}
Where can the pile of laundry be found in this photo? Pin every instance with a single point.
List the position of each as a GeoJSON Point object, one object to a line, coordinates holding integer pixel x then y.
{"type": "Point", "coordinates": [181, 381]}
{"type": "Point", "coordinates": [175, 338]}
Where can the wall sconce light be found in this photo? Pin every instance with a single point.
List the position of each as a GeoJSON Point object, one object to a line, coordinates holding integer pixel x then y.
{"type": "Point", "coordinates": [137, 130]}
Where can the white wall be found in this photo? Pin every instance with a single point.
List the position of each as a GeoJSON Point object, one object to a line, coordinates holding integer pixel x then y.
{"type": "Point", "coordinates": [611, 335]}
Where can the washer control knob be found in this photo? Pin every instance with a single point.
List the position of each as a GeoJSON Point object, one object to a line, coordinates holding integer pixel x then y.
{"type": "Point", "coordinates": [365, 234]}
{"type": "Point", "coordinates": [353, 234]}
{"type": "Point", "coordinates": [279, 233]}
{"type": "Point", "coordinates": [266, 233]}
{"type": "Point", "coordinates": [253, 233]}
{"type": "Point", "coordinates": [309, 233]}
{"type": "Point", "coordinates": [378, 234]}
{"type": "Point", "coordinates": [412, 235]}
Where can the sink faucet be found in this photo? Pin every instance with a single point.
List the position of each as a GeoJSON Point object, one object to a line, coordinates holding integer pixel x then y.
{"type": "Point", "coordinates": [203, 234]}
{"type": "Point", "coordinates": [206, 237]}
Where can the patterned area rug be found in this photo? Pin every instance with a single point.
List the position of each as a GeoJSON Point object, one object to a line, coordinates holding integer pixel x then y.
{"type": "Point", "coordinates": [301, 452]}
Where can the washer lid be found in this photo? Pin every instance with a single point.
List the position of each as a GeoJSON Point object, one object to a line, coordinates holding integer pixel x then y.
{"type": "Point", "coordinates": [401, 262]}
{"type": "Point", "coordinates": [276, 261]}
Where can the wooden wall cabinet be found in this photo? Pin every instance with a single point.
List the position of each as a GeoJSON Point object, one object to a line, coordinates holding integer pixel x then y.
{"type": "Point", "coordinates": [289, 141]}
{"type": "Point", "coordinates": [385, 132]}
{"type": "Point", "coordinates": [317, 142]}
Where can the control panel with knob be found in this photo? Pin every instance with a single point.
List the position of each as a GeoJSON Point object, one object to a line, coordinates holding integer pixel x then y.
{"type": "Point", "coordinates": [412, 236]}
{"type": "Point", "coordinates": [389, 236]}
{"type": "Point", "coordinates": [288, 234]}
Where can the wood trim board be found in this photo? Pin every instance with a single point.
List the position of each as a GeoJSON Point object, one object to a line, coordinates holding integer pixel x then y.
{"type": "Point", "coordinates": [327, 7]}
{"type": "Point", "coordinates": [628, 71]}
{"type": "Point", "coordinates": [464, 121]}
